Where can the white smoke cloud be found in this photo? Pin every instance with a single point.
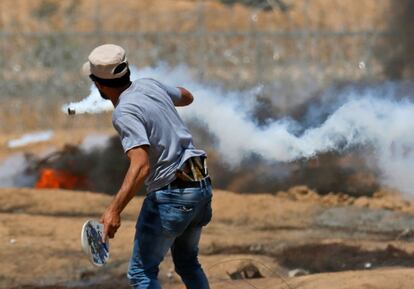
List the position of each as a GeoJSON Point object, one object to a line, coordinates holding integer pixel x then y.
{"type": "Point", "coordinates": [95, 141]}
{"type": "Point", "coordinates": [364, 119]}
{"type": "Point", "coordinates": [12, 172]}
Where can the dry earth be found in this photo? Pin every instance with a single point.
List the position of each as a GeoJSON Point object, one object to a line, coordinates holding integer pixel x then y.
{"type": "Point", "coordinates": [342, 242]}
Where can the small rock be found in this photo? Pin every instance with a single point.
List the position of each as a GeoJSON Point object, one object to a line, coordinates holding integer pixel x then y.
{"type": "Point", "coordinates": [255, 248]}
{"type": "Point", "coordinates": [87, 274]}
{"type": "Point", "coordinates": [13, 241]}
{"type": "Point", "coordinates": [248, 271]}
{"type": "Point", "coordinates": [298, 272]}
{"type": "Point", "coordinates": [362, 202]}
{"type": "Point", "coordinates": [170, 274]}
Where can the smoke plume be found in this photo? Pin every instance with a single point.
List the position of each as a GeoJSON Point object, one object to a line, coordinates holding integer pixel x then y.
{"type": "Point", "coordinates": [376, 119]}
{"type": "Point", "coordinates": [30, 138]}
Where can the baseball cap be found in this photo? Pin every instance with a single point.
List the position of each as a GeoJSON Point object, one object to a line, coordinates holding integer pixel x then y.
{"type": "Point", "coordinates": [106, 61]}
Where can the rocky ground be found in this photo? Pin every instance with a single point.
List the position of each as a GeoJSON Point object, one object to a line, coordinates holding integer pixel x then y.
{"type": "Point", "coordinates": [294, 239]}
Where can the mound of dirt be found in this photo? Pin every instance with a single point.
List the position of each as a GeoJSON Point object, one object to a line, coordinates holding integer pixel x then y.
{"type": "Point", "coordinates": [380, 200]}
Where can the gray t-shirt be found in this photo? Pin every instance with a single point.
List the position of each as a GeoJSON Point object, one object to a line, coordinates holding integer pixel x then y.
{"type": "Point", "coordinates": [146, 115]}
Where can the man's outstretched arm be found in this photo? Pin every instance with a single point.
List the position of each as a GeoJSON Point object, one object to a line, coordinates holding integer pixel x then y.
{"type": "Point", "coordinates": [137, 173]}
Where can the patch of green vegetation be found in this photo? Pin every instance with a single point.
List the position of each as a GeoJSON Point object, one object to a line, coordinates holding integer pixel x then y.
{"type": "Point", "coordinates": [56, 49]}
{"type": "Point", "coordinates": [46, 9]}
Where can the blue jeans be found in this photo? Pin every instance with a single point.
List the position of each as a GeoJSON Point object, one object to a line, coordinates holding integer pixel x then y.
{"type": "Point", "coordinates": [171, 218]}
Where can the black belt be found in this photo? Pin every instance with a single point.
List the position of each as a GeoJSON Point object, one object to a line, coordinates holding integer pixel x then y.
{"type": "Point", "coordinates": [181, 184]}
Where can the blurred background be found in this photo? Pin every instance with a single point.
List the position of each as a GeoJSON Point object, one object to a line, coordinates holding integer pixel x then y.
{"type": "Point", "coordinates": [294, 50]}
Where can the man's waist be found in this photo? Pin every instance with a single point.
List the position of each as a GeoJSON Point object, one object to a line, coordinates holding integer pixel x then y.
{"type": "Point", "coordinates": [192, 174]}
{"type": "Point", "coordinates": [181, 184]}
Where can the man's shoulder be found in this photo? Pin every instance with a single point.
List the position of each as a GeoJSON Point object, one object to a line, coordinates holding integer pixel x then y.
{"type": "Point", "coordinates": [139, 87]}
{"type": "Point", "coordinates": [146, 81]}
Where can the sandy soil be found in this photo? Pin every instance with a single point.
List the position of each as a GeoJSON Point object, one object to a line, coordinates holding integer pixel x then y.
{"type": "Point", "coordinates": [335, 241]}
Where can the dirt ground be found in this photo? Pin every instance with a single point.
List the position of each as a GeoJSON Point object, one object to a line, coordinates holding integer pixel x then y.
{"type": "Point", "coordinates": [253, 241]}
{"type": "Point", "coordinates": [282, 240]}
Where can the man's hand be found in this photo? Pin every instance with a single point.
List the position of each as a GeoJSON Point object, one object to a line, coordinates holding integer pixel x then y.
{"type": "Point", "coordinates": [186, 97]}
{"type": "Point", "coordinates": [112, 221]}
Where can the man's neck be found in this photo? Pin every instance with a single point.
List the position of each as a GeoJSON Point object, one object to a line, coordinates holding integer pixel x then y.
{"type": "Point", "coordinates": [122, 89]}
{"type": "Point", "coordinates": [114, 97]}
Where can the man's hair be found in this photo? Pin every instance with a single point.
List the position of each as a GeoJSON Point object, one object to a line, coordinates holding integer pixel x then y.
{"type": "Point", "coordinates": [114, 83]}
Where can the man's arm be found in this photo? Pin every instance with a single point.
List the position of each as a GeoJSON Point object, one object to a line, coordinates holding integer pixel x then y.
{"type": "Point", "coordinates": [137, 173]}
{"type": "Point", "coordinates": [186, 97]}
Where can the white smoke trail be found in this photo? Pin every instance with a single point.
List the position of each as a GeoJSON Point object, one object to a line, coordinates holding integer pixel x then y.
{"type": "Point", "coordinates": [364, 119]}
{"type": "Point", "coordinates": [30, 138]}
{"type": "Point", "coordinates": [91, 104]}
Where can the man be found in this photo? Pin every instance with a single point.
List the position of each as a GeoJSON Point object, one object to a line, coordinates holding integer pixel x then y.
{"type": "Point", "coordinates": [161, 153]}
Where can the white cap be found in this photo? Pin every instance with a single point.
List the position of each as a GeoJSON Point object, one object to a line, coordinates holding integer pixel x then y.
{"type": "Point", "coordinates": [107, 61]}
